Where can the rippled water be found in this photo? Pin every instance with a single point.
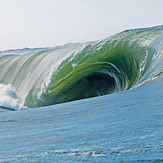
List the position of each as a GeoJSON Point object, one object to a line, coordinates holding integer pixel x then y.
{"type": "Point", "coordinates": [121, 127]}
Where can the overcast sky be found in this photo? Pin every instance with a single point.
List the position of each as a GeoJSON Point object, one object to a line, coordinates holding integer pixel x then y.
{"type": "Point", "coordinates": [41, 23]}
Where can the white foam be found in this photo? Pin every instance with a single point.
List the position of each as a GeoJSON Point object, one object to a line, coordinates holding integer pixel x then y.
{"type": "Point", "coordinates": [8, 97]}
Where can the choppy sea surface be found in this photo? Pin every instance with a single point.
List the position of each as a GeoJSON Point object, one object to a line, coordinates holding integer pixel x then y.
{"type": "Point", "coordinates": [121, 127]}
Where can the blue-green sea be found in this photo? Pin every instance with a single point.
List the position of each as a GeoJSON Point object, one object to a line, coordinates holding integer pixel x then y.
{"type": "Point", "coordinates": [98, 101]}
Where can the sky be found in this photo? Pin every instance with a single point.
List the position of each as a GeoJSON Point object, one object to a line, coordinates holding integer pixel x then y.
{"type": "Point", "coordinates": [49, 23]}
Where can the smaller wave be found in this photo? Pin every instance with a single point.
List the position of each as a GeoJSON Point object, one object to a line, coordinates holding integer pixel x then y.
{"type": "Point", "coordinates": [8, 98]}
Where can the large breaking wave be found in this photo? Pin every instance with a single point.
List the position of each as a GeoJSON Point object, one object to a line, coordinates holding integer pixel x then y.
{"type": "Point", "coordinates": [47, 76]}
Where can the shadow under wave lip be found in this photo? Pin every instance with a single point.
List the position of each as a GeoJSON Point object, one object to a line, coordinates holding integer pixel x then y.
{"type": "Point", "coordinates": [94, 85]}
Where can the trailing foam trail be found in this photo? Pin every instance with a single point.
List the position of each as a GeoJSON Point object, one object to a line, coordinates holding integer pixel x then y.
{"type": "Point", "coordinates": [48, 76]}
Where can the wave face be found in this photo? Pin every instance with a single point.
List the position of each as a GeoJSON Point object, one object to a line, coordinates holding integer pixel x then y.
{"type": "Point", "coordinates": [47, 76]}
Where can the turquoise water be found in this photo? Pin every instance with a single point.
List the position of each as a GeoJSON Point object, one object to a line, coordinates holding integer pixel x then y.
{"type": "Point", "coordinates": [99, 101]}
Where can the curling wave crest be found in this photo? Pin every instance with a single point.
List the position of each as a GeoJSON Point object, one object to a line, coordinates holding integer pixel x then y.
{"type": "Point", "coordinates": [47, 76]}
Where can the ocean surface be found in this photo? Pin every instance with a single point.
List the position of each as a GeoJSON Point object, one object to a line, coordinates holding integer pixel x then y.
{"type": "Point", "coordinates": [97, 101]}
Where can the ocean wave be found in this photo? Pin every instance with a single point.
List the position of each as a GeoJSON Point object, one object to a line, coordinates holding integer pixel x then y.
{"type": "Point", "coordinates": [47, 76]}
